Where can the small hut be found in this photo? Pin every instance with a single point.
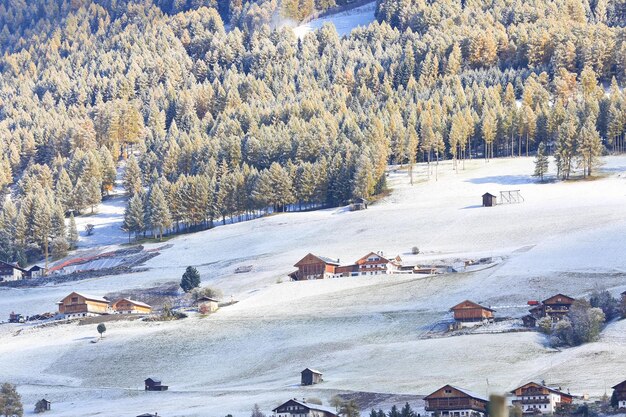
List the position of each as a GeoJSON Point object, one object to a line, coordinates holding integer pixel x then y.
{"type": "Point", "coordinates": [311, 377]}
{"type": "Point", "coordinates": [489, 200]}
{"type": "Point", "coordinates": [359, 204]}
{"type": "Point", "coordinates": [42, 406]}
{"type": "Point", "coordinates": [154, 384]}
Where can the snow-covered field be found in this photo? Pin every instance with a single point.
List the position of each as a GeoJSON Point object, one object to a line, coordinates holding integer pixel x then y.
{"type": "Point", "coordinates": [344, 21]}
{"type": "Point", "coordinates": [365, 334]}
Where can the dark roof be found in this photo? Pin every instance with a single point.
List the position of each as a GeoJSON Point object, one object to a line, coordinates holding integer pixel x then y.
{"type": "Point", "coordinates": [310, 406]}
{"type": "Point", "coordinates": [155, 380]}
{"type": "Point", "coordinates": [36, 268]}
{"type": "Point", "coordinates": [208, 299]}
{"type": "Point", "coordinates": [462, 390]}
{"type": "Point", "coordinates": [474, 305]}
{"type": "Point", "coordinates": [488, 194]}
{"type": "Point", "coordinates": [147, 415]}
{"type": "Point", "coordinates": [312, 370]}
{"type": "Point", "coordinates": [14, 266]}
{"type": "Point", "coordinates": [556, 391]}
{"type": "Point", "coordinates": [557, 295]}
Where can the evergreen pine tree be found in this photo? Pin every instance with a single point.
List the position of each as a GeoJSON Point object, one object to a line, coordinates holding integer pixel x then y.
{"type": "Point", "coordinates": [541, 162]}
{"type": "Point", "coordinates": [134, 216]}
{"type": "Point", "coordinates": [159, 213]}
{"type": "Point", "coordinates": [190, 279]}
{"type": "Point", "coordinates": [132, 177]}
{"type": "Point", "coordinates": [72, 232]}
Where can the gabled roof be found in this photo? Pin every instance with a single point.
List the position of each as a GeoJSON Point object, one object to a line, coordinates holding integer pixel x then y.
{"type": "Point", "coordinates": [137, 303]}
{"type": "Point", "coordinates": [35, 268]}
{"type": "Point", "coordinates": [461, 390]}
{"type": "Point", "coordinates": [310, 406]}
{"type": "Point", "coordinates": [364, 259]}
{"type": "Point", "coordinates": [312, 370]}
{"type": "Point", "coordinates": [559, 295]}
{"type": "Point", "coordinates": [153, 379]}
{"type": "Point", "coordinates": [538, 385]}
{"type": "Point", "coordinates": [469, 304]}
{"type": "Point", "coordinates": [324, 259]}
{"type": "Point", "coordinates": [620, 385]}
{"type": "Point", "coordinates": [86, 297]}
{"type": "Point", "coordinates": [14, 266]}
{"type": "Point", "coordinates": [488, 194]}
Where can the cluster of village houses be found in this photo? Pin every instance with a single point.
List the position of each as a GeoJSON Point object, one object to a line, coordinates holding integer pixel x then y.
{"type": "Point", "coordinates": [374, 263]}
{"type": "Point", "coordinates": [13, 272]}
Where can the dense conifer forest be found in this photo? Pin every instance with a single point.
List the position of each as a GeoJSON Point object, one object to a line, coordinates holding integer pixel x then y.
{"type": "Point", "coordinates": [215, 121]}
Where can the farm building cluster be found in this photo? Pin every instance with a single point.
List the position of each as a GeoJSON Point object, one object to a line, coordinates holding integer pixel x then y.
{"type": "Point", "coordinates": [82, 305]}
{"type": "Point", "coordinates": [13, 272]}
{"type": "Point", "coordinates": [554, 308]}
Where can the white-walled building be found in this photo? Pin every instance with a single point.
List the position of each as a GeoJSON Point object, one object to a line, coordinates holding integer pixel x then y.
{"type": "Point", "coordinates": [537, 398]}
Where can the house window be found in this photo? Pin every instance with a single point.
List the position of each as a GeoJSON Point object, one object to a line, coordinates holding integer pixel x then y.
{"type": "Point", "coordinates": [74, 299]}
{"type": "Point", "coordinates": [448, 391]}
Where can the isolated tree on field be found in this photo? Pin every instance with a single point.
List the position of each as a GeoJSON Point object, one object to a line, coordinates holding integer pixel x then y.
{"type": "Point", "coordinates": [256, 411]}
{"type": "Point", "coordinates": [101, 329]}
{"type": "Point", "coordinates": [190, 279]}
{"type": "Point", "coordinates": [541, 162]}
{"type": "Point", "coordinates": [10, 401]}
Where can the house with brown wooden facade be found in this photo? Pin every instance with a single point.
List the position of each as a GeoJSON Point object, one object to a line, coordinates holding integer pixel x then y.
{"type": "Point", "coordinates": [471, 312]}
{"type": "Point", "coordinates": [619, 391]}
{"type": "Point", "coordinates": [301, 408]}
{"type": "Point", "coordinates": [83, 305]}
{"type": "Point", "coordinates": [128, 306]}
{"type": "Point", "coordinates": [535, 398]}
{"type": "Point", "coordinates": [314, 267]}
{"type": "Point", "coordinates": [455, 402]}
{"type": "Point", "coordinates": [555, 307]}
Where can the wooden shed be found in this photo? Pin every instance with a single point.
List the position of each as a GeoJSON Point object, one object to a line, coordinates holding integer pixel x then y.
{"type": "Point", "coordinates": [469, 311]}
{"type": "Point", "coordinates": [43, 405]}
{"type": "Point", "coordinates": [311, 376]}
{"type": "Point", "coordinates": [489, 200]}
{"type": "Point", "coordinates": [154, 384]}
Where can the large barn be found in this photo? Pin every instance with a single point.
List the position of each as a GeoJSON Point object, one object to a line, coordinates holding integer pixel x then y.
{"type": "Point", "coordinates": [83, 305]}
{"type": "Point", "coordinates": [469, 311]}
{"type": "Point", "coordinates": [536, 398]}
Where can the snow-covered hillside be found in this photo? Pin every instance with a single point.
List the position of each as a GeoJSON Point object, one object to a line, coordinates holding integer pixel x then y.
{"type": "Point", "coordinates": [344, 21]}
{"type": "Point", "coordinates": [364, 333]}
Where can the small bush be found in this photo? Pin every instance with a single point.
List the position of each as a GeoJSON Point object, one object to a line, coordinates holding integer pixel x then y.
{"type": "Point", "coordinates": [210, 292]}
{"type": "Point", "coordinates": [415, 250]}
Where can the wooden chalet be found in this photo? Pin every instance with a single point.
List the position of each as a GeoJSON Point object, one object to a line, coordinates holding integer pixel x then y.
{"type": "Point", "coordinates": [375, 264]}
{"type": "Point", "coordinates": [489, 200]}
{"type": "Point", "coordinates": [314, 267]}
{"type": "Point", "coordinates": [297, 408]}
{"type": "Point", "coordinates": [469, 311]}
{"type": "Point", "coordinates": [154, 384]}
{"type": "Point", "coordinates": [128, 306]}
{"type": "Point", "coordinates": [11, 272]}
{"type": "Point", "coordinates": [207, 305]}
{"type": "Point", "coordinates": [455, 402]}
{"type": "Point", "coordinates": [47, 405]}
{"type": "Point", "coordinates": [83, 305]}
{"type": "Point", "coordinates": [619, 391]}
{"type": "Point", "coordinates": [310, 377]}
{"type": "Point", "coordinates": [535, 398]}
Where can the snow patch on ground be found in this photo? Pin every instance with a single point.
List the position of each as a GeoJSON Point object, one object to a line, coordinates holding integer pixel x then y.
{"type": "Point", "coordinates": [364, 333]}
{"type": "Point", "coordinates": [344, 21]}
